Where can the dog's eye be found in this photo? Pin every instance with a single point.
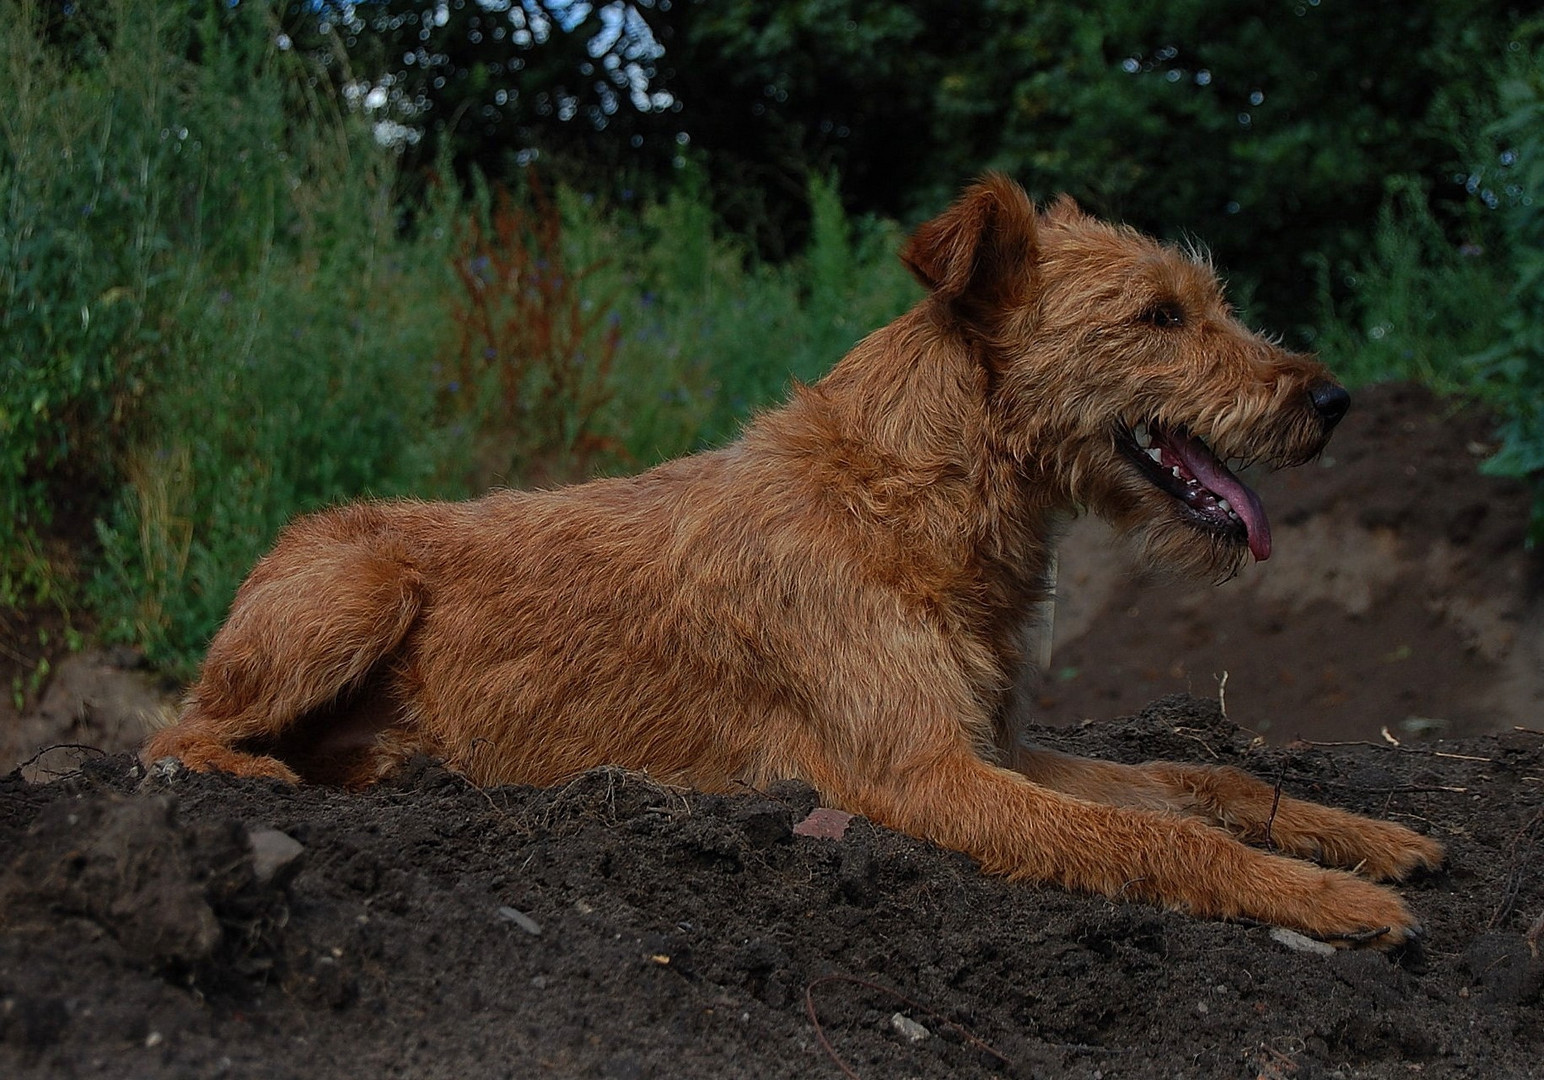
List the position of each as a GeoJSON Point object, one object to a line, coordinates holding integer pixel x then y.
{"type": "Point", "coordinates": [1166, 315]}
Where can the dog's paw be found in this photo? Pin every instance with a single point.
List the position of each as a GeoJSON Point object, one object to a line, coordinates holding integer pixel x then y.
{"type": "Point", "coordinates": [1383, 851]}
{"type": "Point", "coordinates": [263, 767]}
{"type": "Point", "coordinates": [1349, 912]}
{"type": "Point", "coordinates": [206, 755]}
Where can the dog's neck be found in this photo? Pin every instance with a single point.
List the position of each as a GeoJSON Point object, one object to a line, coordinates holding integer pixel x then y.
{"type": "Point", "coordinates": [899, 434]}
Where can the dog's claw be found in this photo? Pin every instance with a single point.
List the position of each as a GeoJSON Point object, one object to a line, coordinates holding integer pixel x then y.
{"type": "Point", "coordinates": [1411, 935]}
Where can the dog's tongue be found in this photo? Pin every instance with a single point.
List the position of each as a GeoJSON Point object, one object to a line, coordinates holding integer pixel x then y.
{"type": "Point", "coordinates": [1205, 467]}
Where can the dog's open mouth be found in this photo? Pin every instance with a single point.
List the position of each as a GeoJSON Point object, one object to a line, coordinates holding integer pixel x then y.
{"type": "Point", "coordinates": [1183, 466]}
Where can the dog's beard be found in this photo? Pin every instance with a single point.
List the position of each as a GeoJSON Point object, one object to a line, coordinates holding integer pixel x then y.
{"type": "Point", "coordinates": [1170, 545]}
{"type": "Point", "coordinates": [1172, 494]}
{"type": "Point", "coordinates": [1167, 539]}
{"type": "Point", "coordinates": [1171, 536]}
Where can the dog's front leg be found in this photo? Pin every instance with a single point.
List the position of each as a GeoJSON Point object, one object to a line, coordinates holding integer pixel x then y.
{"type": "Point", "coordinates": [1247, 807]}
{"type": "Point", "coordinates": [1015, 827]}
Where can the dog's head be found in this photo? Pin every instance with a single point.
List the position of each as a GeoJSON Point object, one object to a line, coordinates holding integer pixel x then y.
{"type": "Point", "coordinates": [1118, 377]}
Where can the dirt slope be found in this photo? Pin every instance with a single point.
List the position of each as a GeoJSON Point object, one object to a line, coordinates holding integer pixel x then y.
{"type": "Point", "coordinates": [1399, 595]}
{"type": "Point", "coordinates": [616, 929]}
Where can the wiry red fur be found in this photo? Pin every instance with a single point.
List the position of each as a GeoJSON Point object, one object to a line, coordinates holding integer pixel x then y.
{"type": "Point", "coordinates": [837, 596]}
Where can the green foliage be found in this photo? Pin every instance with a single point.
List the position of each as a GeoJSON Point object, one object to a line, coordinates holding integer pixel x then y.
{"type": "Point", "coordinates": [1418, 305]}
{"type": "Point", "coordinates": [1463, 316]}
{"type": "Point", "coordinates": [90, 171]}
{"type": "Point", "coordinates": [713, 334]}
{"type": "Point", "coordinates": [206, 306]}
{"type": "Point", "coordinates": [306, 382]}
{"type": "Point", "coordinates": [1511, 374]}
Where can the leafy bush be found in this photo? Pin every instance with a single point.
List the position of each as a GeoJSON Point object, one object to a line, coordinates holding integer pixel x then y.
{"type": "Point", "coordinates": [730, 334]}
{"type": "Point", "coordinates": [1420, 303]}
{"type": "Point", "coordinates": [93, 170]}
{"type": "Point", "coordinates": [283, 333]}
{"type": "Point", "coordinates": [1511, 374]}
{"type": "Point", "coordinates": [1464, 317]}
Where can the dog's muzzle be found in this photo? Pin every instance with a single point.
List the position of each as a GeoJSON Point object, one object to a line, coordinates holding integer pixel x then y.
{"type": "Point", "coordinates": [1183, 466]}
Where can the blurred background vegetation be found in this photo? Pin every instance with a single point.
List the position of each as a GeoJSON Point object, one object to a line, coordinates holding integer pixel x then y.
{"type": "Point", "coordinates": [256, 258]}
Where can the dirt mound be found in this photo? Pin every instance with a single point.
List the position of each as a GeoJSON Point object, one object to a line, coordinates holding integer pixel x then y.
{"type": "Point", "coordinates": [166, 925]}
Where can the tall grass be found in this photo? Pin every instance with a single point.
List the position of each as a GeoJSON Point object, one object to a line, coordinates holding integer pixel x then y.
{"type": "Point", "coordinates": [711, 335]}
{"type": "Point", "coordinates": [96, 166]}
{"type": "Point", "coordinates": [208, 305]}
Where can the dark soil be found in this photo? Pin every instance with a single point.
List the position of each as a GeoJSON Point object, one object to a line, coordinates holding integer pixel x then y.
{"type": "Point", "coordinates": [614, 928]}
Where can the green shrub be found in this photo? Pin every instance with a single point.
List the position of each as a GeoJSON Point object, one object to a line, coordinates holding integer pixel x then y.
{"type": "Point", "coordinates": [1422, 304]}
{"type": "Point", "coordinates": [94, 164]}
{"type": "Point", "coordinates": [721, 335]}
{"type": "Point", "coordinates": [1465, 318]}
{"type": "Point", "coordinates": [296, 329]}
{"type": "Point", "coordinates": [1511, 374]}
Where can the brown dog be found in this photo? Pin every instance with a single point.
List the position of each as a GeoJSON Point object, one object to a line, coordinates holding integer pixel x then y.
{"type": "Point", "coordinates": [838, 595]}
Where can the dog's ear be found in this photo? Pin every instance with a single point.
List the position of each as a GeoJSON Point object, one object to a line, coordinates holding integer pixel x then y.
{"type": "Point", "coordinates": [1065, 211]}
{"type": "Point", "coordinates": [981, 250]}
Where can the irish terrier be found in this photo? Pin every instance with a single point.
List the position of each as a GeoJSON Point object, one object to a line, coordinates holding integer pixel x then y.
{"type": "Point", "coordinates": [838, 595]}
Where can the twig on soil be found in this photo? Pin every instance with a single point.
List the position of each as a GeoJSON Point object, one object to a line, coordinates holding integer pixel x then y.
{"type": "Point", "coordinates": [1518, 850]}
{"type": "Point", "coordinates": [1403, 789]}
{"type": "Point", "coordinates": [1191, 733]}
{"type": "Point", "coordinates": [1222, 695]}
{"type": "Point", "coordinates": [1400, 747]}
{"type": "Point", "coordinates": [820, 1033]}
{"type": "Point", "coordinates": [1527, 730]}
{"type": "Point", "coordinates": [495, 807]}
{"type": "Point", "coordinates": [1535, 932]}
{"type": "Point", "coordinates": [63, 746]}
{"type": "Point", "coordinates": [1270, 845]}
{"type": "Point", "coordinates": [1358, 937]}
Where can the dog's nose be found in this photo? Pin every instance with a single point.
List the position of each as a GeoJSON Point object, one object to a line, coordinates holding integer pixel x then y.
{"type": "Point", "coordinates": [1330, 401]}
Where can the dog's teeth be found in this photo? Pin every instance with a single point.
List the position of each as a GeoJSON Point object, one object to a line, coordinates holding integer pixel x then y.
{"type": "Point", "coordinates": [1175, 470]}
{"type": "Point", "coordinates": [1224, 504]}
{"type": "Point", "coordinates": [1156, 454]}
{"type": "Point", "coordinates": [1141, 435]}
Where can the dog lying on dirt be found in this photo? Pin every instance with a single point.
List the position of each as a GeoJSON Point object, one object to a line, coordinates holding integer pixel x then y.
{"type": "Point", "coordinates": [838, 595]}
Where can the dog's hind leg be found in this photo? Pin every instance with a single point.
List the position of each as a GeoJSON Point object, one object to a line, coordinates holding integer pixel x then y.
{"type": "Point", "coordinates": [308, 625]}
{"type": "Point", "coordinates": [1026, 831]}
{"type": "Point", "coordinates": [1247, 807]}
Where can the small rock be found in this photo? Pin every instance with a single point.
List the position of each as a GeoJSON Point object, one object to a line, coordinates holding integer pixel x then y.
{"type": "Point", "coordinates": [165, 771]}
{"type": "Point", "coordinates": [522, 920]}
{"type": "Point", "coordinates": [824, 824]}
{"type": "Point", "coordinates": [276, 856]}
{"type": "Point", "coordinates": [1300, 942]}
{"type": "Point", "coordinates": [908, 1029]}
